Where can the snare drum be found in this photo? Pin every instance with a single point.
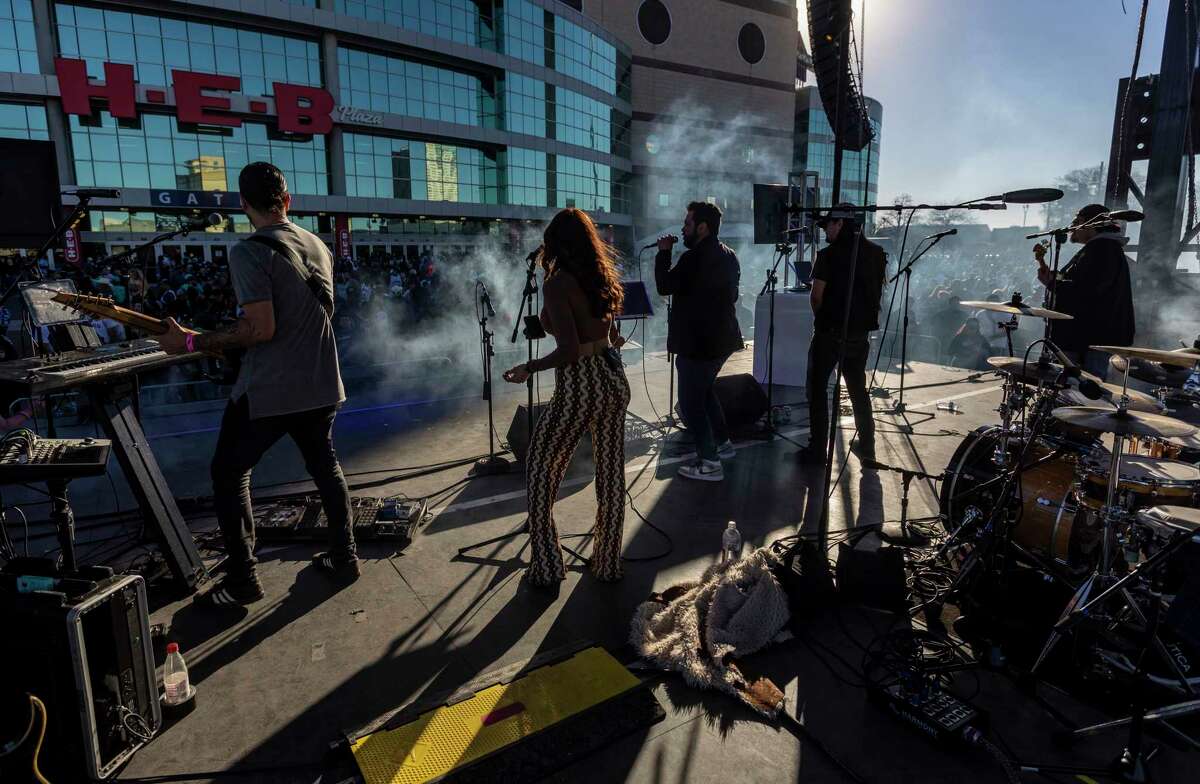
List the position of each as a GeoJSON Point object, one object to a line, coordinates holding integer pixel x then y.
{"type": "Point", "coordinates": [1144, 482]}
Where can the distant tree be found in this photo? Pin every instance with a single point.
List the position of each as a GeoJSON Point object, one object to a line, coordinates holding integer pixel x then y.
{"type": "Point", "coordinates": [951, 218]}
{"type": "Point", "coordinates": [1079, 187]}
{"type": "Point", "coordinates": [884, 220]}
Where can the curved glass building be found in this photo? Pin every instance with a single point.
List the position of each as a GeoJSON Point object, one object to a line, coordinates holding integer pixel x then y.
{"type": "Point", "coordinates": [397, 122]}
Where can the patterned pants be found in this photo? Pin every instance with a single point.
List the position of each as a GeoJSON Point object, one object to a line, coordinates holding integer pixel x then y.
{"type": "Point", "coordinates": [588, 395]}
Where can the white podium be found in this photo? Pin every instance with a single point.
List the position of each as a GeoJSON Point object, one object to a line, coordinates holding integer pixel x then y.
{"type": "Point", "coordinates": [793, 332]}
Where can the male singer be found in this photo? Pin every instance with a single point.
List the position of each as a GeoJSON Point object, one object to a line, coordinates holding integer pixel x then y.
{"type": "Point", "coordinates": [830, 283]}
{"type": "Point", "coordinates": [703, 330]}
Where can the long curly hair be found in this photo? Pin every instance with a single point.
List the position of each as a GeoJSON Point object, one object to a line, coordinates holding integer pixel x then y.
{"type": "Point", "coordinates": [572, 244]}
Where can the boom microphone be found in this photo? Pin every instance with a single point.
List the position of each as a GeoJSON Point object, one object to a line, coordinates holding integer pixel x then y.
{"type": "Point", "coordinates": [204, 221]}
{"type": "Point", "coordinates": [1027, 196]}
{"type": "Point", "coordinates": [94, 193]}
{"type": "Point", "coordinates": [1129, 216]}
{"type": "Point", "coordinates": [940, 234]}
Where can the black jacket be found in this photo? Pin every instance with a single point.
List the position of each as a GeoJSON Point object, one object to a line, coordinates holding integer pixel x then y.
{"type": "Point", "coordinates": [704, 285]}
{"type": "Point", "coordinates": [870, 271]}
{"type": "Point", "coordinates": [1095, 289]}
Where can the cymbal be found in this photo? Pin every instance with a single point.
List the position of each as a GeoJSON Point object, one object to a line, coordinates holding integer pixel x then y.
{"type": "Point", "coordinates": [1014, 310]}
{"type": "Point", "coordinates": [1155, 373]}
{"type": "Point", "coordinates": [1181, 358]}
{"type": "Point", "coordinates": [1138, 401]}
{"type": "Point", "coordinates": [1033, 372]}
{"type": "Point", "coordinates": [1130, 423]}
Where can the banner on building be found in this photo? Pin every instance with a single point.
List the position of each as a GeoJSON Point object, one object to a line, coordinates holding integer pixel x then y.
{"type": "Point", "coordinates": [71, 250]}
{"type": "Point", "coordinates": [341, 239]}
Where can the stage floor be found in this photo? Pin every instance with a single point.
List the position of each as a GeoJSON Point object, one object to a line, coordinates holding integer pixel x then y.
{"type": "Point", "coordinates": [279, 680]}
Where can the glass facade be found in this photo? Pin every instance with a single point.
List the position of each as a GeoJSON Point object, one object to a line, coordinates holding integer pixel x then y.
{"type": "Point", "coordinates": [154, 46]}
{"type": "Point", "coordinates": [588, 186]}
{"type": "Point", "coordinates": [18, 46]}
{"type": "Point", "coordinates": [525, 177]}
{"type": "Point", "coordinates": [525, 30]}
{"type": "Point", "coordinates": [451, 20]}
{"type": "Point", "coordinates": [525, 105]}
{"type": "Point", "coordinates": [400, 86]}
{"type": "Point", "coordinates": [159, 155]}
{"type": "Point", "coordinates": [21, 121]}
{"type": "Point", "coordinates": [576, 118]}
{"type": "Point", "coordinates": [382, 167]}
{"type": "Point", "coordinates": [814, 151]}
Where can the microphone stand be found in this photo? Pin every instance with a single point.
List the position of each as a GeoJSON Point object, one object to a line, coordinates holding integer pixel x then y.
{"type": "Point", "coordinates": [493, 463]}
{"type": "Point", "coordinates": [898, 407]}
{"type": "Point", "coordinates": [1060, 237]}
{"type": "Point", "coordinates": [783, 250]}
{"type": "Point", "coordinates": [527, 295]}
{"type": "Point", "coordinates": [182, 231]}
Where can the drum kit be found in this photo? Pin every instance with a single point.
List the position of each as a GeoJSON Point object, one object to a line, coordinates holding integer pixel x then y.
{"type": "Point", "coordinates": [1094, 486]}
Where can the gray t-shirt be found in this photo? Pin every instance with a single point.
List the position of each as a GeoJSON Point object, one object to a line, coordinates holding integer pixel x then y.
{"type": "Point", "coordinates": [297, 369]}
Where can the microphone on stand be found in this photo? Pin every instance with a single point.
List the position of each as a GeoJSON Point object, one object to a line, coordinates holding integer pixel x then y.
{"type": "Point", "coordinates": [94, 193]}
{"type": "Point", "coordinates": [1027, 196]}
{"type": "Point", "coordinates": [204, 221]}
{"type": "Point", "coordinates": [940, 234]}
{"type": "Point", "coordinates": [487, 301]}
{"type": "Point", "coordinates": [534, 254]}
{"type": "Point", "coordinates": [1129, 216]}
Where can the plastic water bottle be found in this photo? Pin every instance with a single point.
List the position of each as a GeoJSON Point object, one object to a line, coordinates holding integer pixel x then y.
{"type": "Point", "coordinates": [951, 406]}
{"type": "Point", "coordinates": [175, 676]}
{"type": "Point", "coordinates": [731, 543]}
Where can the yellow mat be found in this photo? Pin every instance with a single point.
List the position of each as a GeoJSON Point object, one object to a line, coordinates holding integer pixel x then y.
{"type": "Point", "coordinates": [446, 738]}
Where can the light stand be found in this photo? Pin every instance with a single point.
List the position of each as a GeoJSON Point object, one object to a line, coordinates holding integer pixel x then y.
{"type": "Point", "coordinates": [493, 463]}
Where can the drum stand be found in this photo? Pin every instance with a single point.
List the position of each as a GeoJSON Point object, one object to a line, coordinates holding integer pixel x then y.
{"type": "Point", "coordinates": [1086, 601]}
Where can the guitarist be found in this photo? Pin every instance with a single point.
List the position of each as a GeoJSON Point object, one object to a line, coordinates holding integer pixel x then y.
{"type": "Point", "coordinates": [289, 383]}
{"type": "Point", "coordinates": [1094, 288]}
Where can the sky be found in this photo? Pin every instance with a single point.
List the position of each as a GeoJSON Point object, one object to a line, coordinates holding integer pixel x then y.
{"type": "Point", "coordinates": [984, 96]}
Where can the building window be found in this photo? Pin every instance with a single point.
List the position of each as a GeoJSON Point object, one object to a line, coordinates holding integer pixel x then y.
{"type": "Point", "coordinates": [751, 44]}
{"type": "Point", "coordinates": [525, 175]}
{"type": "Point", "coordinates": [577, 53]}
{"type": "Point", "coordinates": [400, 86]}
{"type": "Point", "coordinates": [450, 20]}
{"type": "Point", "coordinates": [654, 22]}
{"type": "Point", "coordinates": [20, 121]}
{"type": "Point", "coordinates": [155, 46]}
{"type": "Point", "coordinates": [391, 168]}
{"type": "Point", "coordinates": [664, 200]}
{"type": "Point", "coordinates": [159, 155]}
{"type": "Point", "coordinates": [525, 105]}
{"type": "Point", "coordinates": [18, 45]}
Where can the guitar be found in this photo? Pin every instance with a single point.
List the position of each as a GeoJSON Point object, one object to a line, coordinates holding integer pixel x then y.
{"type": "Point", "coordinates": [105, 307]}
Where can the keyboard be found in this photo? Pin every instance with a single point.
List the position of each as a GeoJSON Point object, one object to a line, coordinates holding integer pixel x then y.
{"type": "Point", "coordinates": [25, 457]}
{"type": "Point", "coordinates": [38, 375]}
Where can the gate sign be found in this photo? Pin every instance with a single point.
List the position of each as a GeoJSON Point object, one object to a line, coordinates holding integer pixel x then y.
{"type": "Point", "coordinates": [341, 238]}
{"type": "Point", "coordinates": [217, 200]}
{"type": "Point", "coordinates": [71, 250]}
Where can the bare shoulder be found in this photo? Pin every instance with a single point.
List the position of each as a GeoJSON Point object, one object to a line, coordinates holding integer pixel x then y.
{"type": "Point", "coordinates": [562, 283]}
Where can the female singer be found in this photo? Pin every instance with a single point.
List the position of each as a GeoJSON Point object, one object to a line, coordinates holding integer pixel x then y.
{"type": "Point", "coordinates": [583, 296]}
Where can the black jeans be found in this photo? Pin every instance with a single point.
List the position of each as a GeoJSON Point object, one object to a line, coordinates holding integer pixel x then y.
{"type": "Point", "coordinates": [822, 356]}
{"type": "Point", "coordinates": [702, 413]}
{"type": "Point", "coordinates": [241, 444]}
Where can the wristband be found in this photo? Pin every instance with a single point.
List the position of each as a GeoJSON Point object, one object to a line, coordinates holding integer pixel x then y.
{"type": "Point", "coordinates": [190, 343]}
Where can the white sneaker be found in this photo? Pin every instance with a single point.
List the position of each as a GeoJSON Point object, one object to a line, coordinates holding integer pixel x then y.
{"type": "Point", "coordinates": [726, 451]}
{"type": "Point", "coordinates": [704, 470]}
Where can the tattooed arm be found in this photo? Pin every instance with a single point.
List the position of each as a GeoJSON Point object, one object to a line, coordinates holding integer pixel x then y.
{"type": "Point", "coordinates": [257, 325]}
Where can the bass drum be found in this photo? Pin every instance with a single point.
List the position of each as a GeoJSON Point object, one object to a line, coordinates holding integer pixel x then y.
{"type": "Point", "coordinates": [1050, 523]}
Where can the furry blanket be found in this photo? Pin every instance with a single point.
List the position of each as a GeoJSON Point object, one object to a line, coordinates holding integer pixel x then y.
{"type": "Point", "coordinates": [698, 628]}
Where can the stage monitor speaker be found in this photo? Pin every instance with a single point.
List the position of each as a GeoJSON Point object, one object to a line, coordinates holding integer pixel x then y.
{"type": "Point", "coordinates": [29, 193]}
{"type": "Point", "coordinates": [827, 22]}
{"type": "Point", "coordinates": [742, 399]}
{"type": "Point", "coordinates": [518, 438]}
{"type": "Point", "coordinates": [770, 213]}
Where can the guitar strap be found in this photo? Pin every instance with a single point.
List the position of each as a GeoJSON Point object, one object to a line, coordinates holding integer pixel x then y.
{"type": "Point", "coordinates": [312, 279]}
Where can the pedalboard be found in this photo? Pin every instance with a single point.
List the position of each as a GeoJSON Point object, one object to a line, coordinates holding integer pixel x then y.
{"type": "Point", "coordinates": [935, 712]}
{"type": "Point", "coordinates": [302, 519]}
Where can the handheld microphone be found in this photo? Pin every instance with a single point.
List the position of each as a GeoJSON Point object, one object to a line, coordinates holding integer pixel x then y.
{"type": "Point", "coordinates": [655, 244]}
{"type": "Point", "coordinates": [94, 193]}
{"type": "Point", "coordinates": [487, 301]}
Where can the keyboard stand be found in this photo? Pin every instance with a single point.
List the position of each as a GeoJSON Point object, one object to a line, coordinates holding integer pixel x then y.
{"type": "Point", "coordinates": [113, 404]}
